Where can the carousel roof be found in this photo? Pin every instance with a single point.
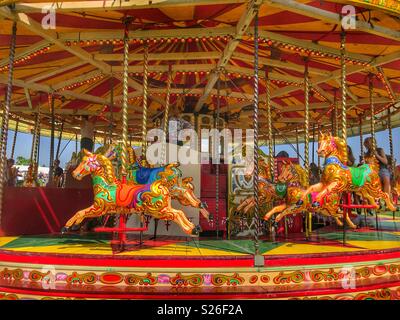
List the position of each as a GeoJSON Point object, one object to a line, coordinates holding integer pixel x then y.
{"type": "Point", "coordinates": [80, 61]}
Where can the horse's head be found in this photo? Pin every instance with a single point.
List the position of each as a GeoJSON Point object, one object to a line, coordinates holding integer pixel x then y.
{"type": "Point", "coordinates": [330, 145]}
{"type": "Point", "coordinates": [287, 172]}
{"type": "Point", "coordinates": [88, 165]}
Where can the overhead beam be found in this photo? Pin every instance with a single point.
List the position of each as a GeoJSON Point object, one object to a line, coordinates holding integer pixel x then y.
{"type": "Point", "coordinates": [55, 72]}
{"type": "Point", "coordinates": [28, 98]}
{"type": "Point", "coordinates": [64, 6]}
{"type": "Point", "coordinates": [148, 34]}
{"type": "Point", "coordinates": [35, 47]}
{"type": "Point", "coordinates": [331, 17]}
{"type": "Point", "coordinates": [277, 63]}
{"type": "Point", "coordinates": [84, 77]}
{"type": "Point", "coordinates": [387, 82]}
{"type": "Point", "coordinates": [241, 27]}
{"type": "Point", "coordinates": [174, 56]}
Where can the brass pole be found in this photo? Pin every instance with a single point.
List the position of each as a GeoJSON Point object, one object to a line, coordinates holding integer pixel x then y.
{"type": "Point", "coordinates": [391, 138]}
{"type": "Point", "coordinates": [6, 116]}
{"type": "Point", "coordinates": [166, 114]}
{"type": "Point", "coordinates": [59, 140]}
{"type": "Point", "coordinates": [124, 155]}
{"type": "Point", "coordinates": [51, 173]}
{"type": "Point", "coordinates": [361, 137]}
{"type": "Point", "coordinates": [255, 128]}
{"type": "Point", "coordinates": [343, 84]}
{"type": "Point", "coordinates": [372, 107]}
{"type": "Point", "coordinates": [14, 138]}
{"type": "Point", "coordinates": [307, 136]}
{"type": "Point", "coordinates": [35, 146]}
{"type": "Point", "coordinates": [269, 119]}
{"type": "Point", "coordinates": [145, 106]}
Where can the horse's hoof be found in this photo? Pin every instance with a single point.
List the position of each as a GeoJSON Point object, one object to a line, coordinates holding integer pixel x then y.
{"type": "Point", "coordinates": [299, 203]}
{"type": "Point", "coordinates": [196, 230]}
{"type": "Point", "coordinates": [316, 204]}
{"type": "Point", "coordinates": [75, 227]}
{"type": "Point", "coordinates": [64, 230]}
{"type": "Point", "coordinates": [203, 205]}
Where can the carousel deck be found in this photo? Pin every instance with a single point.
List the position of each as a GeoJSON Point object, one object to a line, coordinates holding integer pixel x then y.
{"type": "Point", "coordinates": [85, 266]}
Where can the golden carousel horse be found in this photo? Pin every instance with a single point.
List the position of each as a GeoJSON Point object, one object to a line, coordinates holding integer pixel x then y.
{"type": "Point", "coordinates": [338, 178]}
{"type": "Point", "coordinates": [295, 176]}
{"type": "Point", "coordinates": [180, 189]}
{"type": "Point", "coordinates": [268, 191]}
{"type": "Point", "coordinates": [111, 196]}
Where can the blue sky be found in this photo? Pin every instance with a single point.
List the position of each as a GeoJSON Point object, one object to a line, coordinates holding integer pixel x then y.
{"type": "Point", "coordinates": [24, 142]}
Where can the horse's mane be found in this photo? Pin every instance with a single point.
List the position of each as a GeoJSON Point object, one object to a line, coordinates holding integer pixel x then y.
{"type": "Point", "coordinates": [341, 149]}
{"type": "Point", "coordinates": [108, 168]}
{"type": "Point", "coordinates": [302, 175]}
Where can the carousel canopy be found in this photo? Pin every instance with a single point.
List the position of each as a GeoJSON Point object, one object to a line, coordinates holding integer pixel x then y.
{"type": "Point", "coordinates": [77, 55]}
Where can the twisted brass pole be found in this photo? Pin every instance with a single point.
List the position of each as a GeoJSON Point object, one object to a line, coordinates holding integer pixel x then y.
{"type": "Point", "coordinates": [361, 137]}
{"type": "Point", "coordinates": [372, 107]}
{"type": "Point", "coordinates": [51, 170]}
{"type": "Point", "coordinates": [124, 154]}
{"type": "Point", "coordinates": [111, 117]}
{"type": "Point", "coordinates": [6, 115]}
{"type": "Point", "coordinates": [318, 157]}
{"type": "Point", "coordinates": [269, 119]}
{"type": "Point", "coordinates": [59, 140]}
{"type": "Point", "coordinates": [166, 114]}
{"type": "Point", "coordinates": [335, 129]}
{"type": "Point", "coordinates": [255, 127]}
{"type": "Point", "coordinates": [34, 160]}
{"type": "Point", "coordinates": [343, 84]}
{"type": "Point", "coordinates": [145, 88]}
{"type": "Point", "coordinates": [306, 118]}
{"type": "Point", "coordinates": [391, 138]}
{"type": "Point", "coordinates": [307, 136]}
{"type": "Point", "coordinates": [14, 138]}
{"type": "Point", "coordinates": [217, 152]}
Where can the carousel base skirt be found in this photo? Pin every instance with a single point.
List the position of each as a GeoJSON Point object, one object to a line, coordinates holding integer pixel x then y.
{"type": "Point", "coordinates": [366, 266]}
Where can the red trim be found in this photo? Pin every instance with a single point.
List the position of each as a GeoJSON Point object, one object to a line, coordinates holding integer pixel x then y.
{"type": "Point", "coordinates": [127, 261]}
{"type": "Point", "coordinates": [257, 293]}
{"type": "Point", "coordinates": [196, 262]}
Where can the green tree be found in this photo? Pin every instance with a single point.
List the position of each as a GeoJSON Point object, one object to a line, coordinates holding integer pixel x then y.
{"type": "Point", "coordinates": [22, 161]}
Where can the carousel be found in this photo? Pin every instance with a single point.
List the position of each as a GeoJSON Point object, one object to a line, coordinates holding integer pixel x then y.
{"type": "Point", "coordinates": [103, 75]}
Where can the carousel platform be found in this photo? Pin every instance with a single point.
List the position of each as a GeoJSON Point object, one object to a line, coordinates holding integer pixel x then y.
{"type": "Point", "coordinates": [84, 266]}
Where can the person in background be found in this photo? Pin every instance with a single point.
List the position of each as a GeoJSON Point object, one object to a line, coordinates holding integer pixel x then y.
{"type": "Point", "coordinates": [87, 134]}
{"type": "Point", "coordinates": [282, 154]}
{"type": "Point", "coordinates": [380, 155]}
{"type": "Point", "coordinates": [58, 175]}
{"type": "Point", "coordinates": [314, 174]}
{"type": "Point", "coordinates": [11, 173]}
{"type": "Point", "coordinates": [351, 160]}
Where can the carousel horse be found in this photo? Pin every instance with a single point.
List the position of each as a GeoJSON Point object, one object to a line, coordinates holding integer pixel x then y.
{"type": "Point", "coordinates": [180, 189]}
{"type": "Point", "coordinates": [396, 183]}
{"type": "Point", "coordinates": [296, 181]}
{"type": "Point", "coordinates": [113, 196]}
{"type": "Point", "coordinates": [338, 178]}
{"type": "Point", "coordinates": [268, 191]}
